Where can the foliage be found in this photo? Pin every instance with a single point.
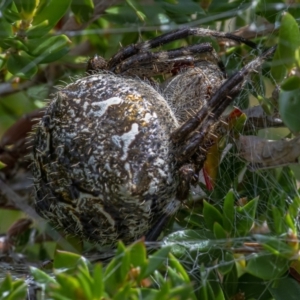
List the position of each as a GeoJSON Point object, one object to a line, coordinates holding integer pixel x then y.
{"type": "Point", "coordinates": [242, 241]}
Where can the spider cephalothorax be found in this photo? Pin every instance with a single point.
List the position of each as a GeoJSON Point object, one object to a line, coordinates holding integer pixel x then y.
{"type": "Point", "coordinates": [114, 156]}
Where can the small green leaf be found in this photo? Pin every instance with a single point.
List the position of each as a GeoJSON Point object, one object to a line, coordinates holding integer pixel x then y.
{"type": "Point", "coordinates": [26, 8]}
{"type": "Point", "coordinates": [85, 282]}
{"type": "Point", "coordinates": [6, 285]}
{"type": "Point", "coordinates": [10, 13]}
{"type": "Point", "coordinates": [226, 262]}
{"type": "Point", "coordinates": [219, 231]}
{"type": "Point", "coordinates": [19, 290]}
{"type": "Point", "coordinates": [98, 288]}
{"type": "Point", "coordinates": [164, 291]}
{"type": "Point", "coordinates": [291, 83]}
{"type": "Point", "coordinates": [38, 31]}
{"type": "Point", "coordinates": [230, 281]}
{"type": "Point", "coordinates": [289, 108]}
{"type": "Point", "coordinates": [211, 215]}
{"type": "Point", "coordinates": [83, 10]}
{"type": "Point", "coordinates": [278, 69]}
{"type": "Point", "coordinates": [40, 276]}
{"type": "Point", "coordinates": [245, 217]}
{"type": "Point", "coordinates": [117, 270]}
{"type": "Point", "coordinates": [228, 212]}
{"type": "Point", "coordinates": [52, 11]}
{"type": "Point", "coordinates": [278, 221]}
{"type": "Point", "coordinates": [5, 29]}
{"type": "Point", "coordinates": [289, 39]}
{"type": "Point", "coordinates": [21, 65]}
{"type": "Point", "coordinates": [125, 292]}
{"type": "Point", "coordinates": [50, 49]}
{"type": "Point", "coordinates": [182, 292]}
{"type": "Point", "coordinates": [156, 260]}
{"type": "Point", "coordinates": [64, 260]}
{"type": "Point", "coordinates": [285, 288]}
{"type": "Point", "coordinates": [267, 267]}
{"type": "Point", "coordinates": [138, 254]}
{"type": "Point", "coordinates": [205, 291]}
{"type": "Point", "coordinates": [13, 42]}
{"type": "Point", "coordinates": [2, 165]}
{"type": "Point", "coordinates": [137, 8]}
{"type": "Point", "coordinates": [175, 264]}
{"type": "Point", "coordinates": [69, 286]}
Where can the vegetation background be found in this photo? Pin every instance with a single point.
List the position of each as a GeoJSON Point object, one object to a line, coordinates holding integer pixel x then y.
{"type": "Point", "coordinates": [239, 240]}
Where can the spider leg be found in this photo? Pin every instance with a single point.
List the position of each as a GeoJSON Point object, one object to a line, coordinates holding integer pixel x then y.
{"type": "Point", "coordinates": [170, 37]}
{"type": "Point", "coordinates": [148, 64]}
{"type": "Point", "coordinates": [153, 234]}
{"type": "Point", "coordinates": [211, 112]}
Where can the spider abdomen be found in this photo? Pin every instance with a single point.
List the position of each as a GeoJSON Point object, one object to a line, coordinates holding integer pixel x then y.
{"type": "Point", "coordinates": [102, 162]}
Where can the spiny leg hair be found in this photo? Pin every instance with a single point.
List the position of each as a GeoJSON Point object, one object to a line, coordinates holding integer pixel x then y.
{"type": "Point", "coordinates": [170, 37]}
{"type": "Point", "coordinates": [194, 130]}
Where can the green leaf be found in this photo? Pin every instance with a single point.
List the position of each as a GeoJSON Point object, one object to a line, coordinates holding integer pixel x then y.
{"type": "Point", "coordinates": [267, 267]}
{"type": "Point", "coordinates": [2, 165]}
{"type": "Point", "coordinates": [289, 39]}
{"type": "Point", "coordinates": [285, 288]}
{"type": "Point", "coordinates": [181, 292]}
{"type": "Point", "coordinates": [53, 11]}
{"type": "Point", "coordinates": [228, 212]}
{"type": "Point", "coordinates": [125, 292]}
{"type": "Point", "coordinates": [117, 270]}
{"type": "Point", "coordinates": [6, 285]}
{"type": "Point", "coordinates": [40, 276]}
{"type": "Point", "coordinates": [21, 65]}
{"type": "Point", "coordinates": [98, 288]}
{"type": "Point", "coordinates": [254, 287]}
{"type": "Point", "coordinates": [219, 231]}
{"type": "Point", "coordinates": [278, 221]}
{"type": "Point", "coordinates": [138, 254]}
{"type": "Point", "coordinates": [69, 285]}
{"type": "Point", "coordinates": [175, 264]}
{"type": "Point", "coordinates": [291, 83]}
{"type": "Point", "coordinates": [26, 8]}
{"type": "Point", "coordinates": [13, 42]}
{"type": "Point", "coordinates": [85, 282]}
{"type": "Point", "coordinates": [211, 215]}
{"type": "Point", "coordinates": [64, 260]}
{"type": "Point", "coordinates": [164, 291]}
{"type": "Point", "coordinates": [5, 29]}
{"type": "Point", "coordinates": [205, 291]}
{"type": "Point", "coordinates": [156, 260]}
{"type": "Point", "coordinates": [230, 281]}
{"type": "Point", "coordinates": [137, 9]}
{"type": "Point", "coordinates": [289, 108]}
{"type": "Point", "coordinates": [245, 217]}
{"type": "Point", "coordinates": [38, 31]}
{"type": "Point", "coordinates": [11, 13]}
{"type": "Point", "coordinates": [83, 10]}
{"type": "Point", "coordinates": [19, 291]}
{"type": "Point", "coordinates": [278, 69]}
{"type": "Point", "coordinates": [50, 49]}
{"type": "Point", "coordinates": [226, 262]}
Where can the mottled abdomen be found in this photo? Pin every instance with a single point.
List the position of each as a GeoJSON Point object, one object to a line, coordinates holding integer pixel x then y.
{"type": "Point", "coordinates": [102, 162]}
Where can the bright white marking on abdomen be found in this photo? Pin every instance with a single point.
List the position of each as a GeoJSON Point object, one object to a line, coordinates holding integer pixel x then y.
{"type": "Point", "coordinates": [127, 138]}
{"type": "Point", "coordinates": [103, 106]}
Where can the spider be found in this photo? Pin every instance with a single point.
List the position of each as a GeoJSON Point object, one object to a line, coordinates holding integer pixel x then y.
{"type": "Point", "coordinates": [114, 155]}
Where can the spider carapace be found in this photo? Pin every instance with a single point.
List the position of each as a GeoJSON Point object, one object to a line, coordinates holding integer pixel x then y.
{"type": "Point", "coordinates": [115, 155]}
